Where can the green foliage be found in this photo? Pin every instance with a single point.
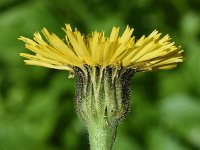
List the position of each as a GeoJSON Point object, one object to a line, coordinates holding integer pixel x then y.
{"type": "Point", "coordinates": [36, 104]}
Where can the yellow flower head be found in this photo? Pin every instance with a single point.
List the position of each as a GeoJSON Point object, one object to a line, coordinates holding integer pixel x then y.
{"type": "Point", "coordinates": [145, 54]}
{"type": "Point", "coordinates": [103, 67]}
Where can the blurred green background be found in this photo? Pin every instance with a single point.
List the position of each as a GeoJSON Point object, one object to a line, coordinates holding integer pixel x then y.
{"type": "Point", "coordinates": [37, 104]}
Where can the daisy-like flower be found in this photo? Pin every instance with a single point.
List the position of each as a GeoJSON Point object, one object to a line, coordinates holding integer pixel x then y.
{"type": "Point", "coordinates": [103, 67]}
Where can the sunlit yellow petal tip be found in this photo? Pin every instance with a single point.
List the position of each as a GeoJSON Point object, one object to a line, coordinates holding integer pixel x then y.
{"type": "Point", "coordinates": [148, 53]}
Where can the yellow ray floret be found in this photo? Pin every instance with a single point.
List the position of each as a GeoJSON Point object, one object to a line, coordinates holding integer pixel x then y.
{"type": "Point", "coordinates": [145, 54]}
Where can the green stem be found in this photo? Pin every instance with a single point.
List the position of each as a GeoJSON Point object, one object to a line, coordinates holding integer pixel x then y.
{"type": "Point", "coordinates": [101, 136]}
{"type": "Point", "coordinates": [102, 101]}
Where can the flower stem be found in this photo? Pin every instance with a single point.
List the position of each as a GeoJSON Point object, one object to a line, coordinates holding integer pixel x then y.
{"type": "Point", "coordinates": [102, 101]}
{"type": "Point", "coordinates": [101, 135]}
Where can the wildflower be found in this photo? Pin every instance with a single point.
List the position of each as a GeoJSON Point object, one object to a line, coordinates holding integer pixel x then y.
{"type": "Point", "coordinates": [103, 68]}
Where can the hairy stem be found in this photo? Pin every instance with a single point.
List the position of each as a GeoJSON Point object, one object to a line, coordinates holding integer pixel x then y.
{"type": "Point", "coordinates": [101, 135]}
{"type": "Point", "coordinates": [102, 101]}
